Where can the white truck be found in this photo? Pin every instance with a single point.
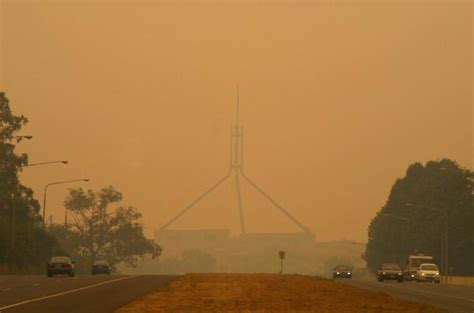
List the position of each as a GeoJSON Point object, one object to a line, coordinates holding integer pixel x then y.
{"type": "Point", "coordinates": [413, 264]}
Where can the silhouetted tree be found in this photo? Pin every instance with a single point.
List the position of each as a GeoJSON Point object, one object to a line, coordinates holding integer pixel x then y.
{"type": "Point", "coordinates": [98, 233]}
{"type": "Point", "coordinates": [441, 185]}
{"type": "Point", "coordinates": [19, 217]}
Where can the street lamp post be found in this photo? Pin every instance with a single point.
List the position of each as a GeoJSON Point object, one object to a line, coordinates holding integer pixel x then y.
{"type": "Point", "coordinates": [445, 259]}
{"type": "Point", "coordinates": [57, 183]}
{"type": "Point", "coordinates": [12, 243]}
{"type": "Point", "coordinates": [45, 163]}
{"type": "Point", "coordinates": [19, 138]}
{"type": "Point", "coordinates": [397, 217]}
{"type": "Point", "coordinates": [444, 243]}
{"type": "Point", "coordinates": [14, 208]}
{"type": "Point", "coordinates": [401, 218]}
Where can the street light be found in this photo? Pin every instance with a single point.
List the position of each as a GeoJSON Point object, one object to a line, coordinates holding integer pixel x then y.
{"type": "Point", "coordinates": [12, 243]}
{"type": "Point", "coordinates": [19, 138]}
{"type": "Point", "coordinates": [446, 267]}
{"type": "Point", "coordinates": [29, 137]}
{"type": "Point", "coordinates": [14, 207]}
{"type": "Point", "coordinates": [396, 216]}
{"type": "Point", "coordinates": [44, 163]}
{"type": "Point", "coordinates": [444, 252]}
{"type": "Point", "coordinates": [401, 218]}
{"type": "Point", "coordinates": [57, 183]}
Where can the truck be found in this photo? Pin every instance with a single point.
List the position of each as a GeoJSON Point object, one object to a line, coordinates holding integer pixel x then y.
{"type": "Point", "coordinates": [413, 263]}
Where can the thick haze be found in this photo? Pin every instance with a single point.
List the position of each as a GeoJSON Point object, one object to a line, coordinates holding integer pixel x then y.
{"type": "Point", "coordinates": [337, 99]}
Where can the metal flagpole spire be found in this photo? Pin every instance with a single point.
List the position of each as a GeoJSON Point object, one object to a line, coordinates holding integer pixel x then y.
{"type": "Point", "coordinates": [236, 160]}
{"type": "Point", "coordinates": [238, 107]}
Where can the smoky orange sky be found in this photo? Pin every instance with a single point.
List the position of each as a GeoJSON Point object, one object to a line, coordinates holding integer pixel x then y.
{"type": "Point", "coordinates": [337, 99]}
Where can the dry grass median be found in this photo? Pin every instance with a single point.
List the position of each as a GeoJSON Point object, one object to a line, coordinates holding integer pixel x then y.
{"type": "Point", "coordinates": [267, 293]}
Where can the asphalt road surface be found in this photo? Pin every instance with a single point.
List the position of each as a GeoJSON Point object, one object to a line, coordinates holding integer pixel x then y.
{"type": "Point", "coordinates": [454, 298]}
{"type": "Point", "coordinates": [102, 294]}
{"type": "Point", "coordinates": [80, 294]}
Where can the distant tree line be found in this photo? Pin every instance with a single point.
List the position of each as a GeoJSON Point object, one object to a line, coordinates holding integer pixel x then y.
{"type": "Point", "coordinates": [413, 217]}
{"type": "Point", "coordinates": [94, 232]}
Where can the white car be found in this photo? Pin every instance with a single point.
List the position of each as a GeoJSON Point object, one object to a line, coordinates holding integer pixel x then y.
{"type": "Point", "coordinates": [428, 272]}
{"type": "Point", "coordinates": [60, 265]}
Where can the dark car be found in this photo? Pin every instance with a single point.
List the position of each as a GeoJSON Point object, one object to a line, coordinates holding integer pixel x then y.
{"type": "Point", "coordinates": [342, 271]}
{"type": "Point", "coordinates": [100, 267]}
{"type": "Point", "coordinates": [390, 271]}
{"type": "Point", "coordinates": [60, 265]}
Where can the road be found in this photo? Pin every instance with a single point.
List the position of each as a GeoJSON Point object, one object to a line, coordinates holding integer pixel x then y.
{"type": "Point", "coordinates": [454, 298]}
{"type": "Point", "coordinates": [80, 294]}
{"type": "Point", "coordinates": [102, 294]}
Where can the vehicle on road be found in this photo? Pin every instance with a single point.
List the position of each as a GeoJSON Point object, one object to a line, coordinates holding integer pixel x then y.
{"type": "Point", "coordinates": [100, 267]}
{"type": "Point", "coordinates": [342, 271]}
{"type": "Point", "coordinates": [413, 263]}
{"type": "Point", "coordinates": [60, 265]}
{"type": "Point", "coordinates": [428, 272]}
{"type": "Point", "coordinates": [390, 271]}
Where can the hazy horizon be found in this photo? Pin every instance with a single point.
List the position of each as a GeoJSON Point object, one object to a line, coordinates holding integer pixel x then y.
{"type": "Point", "coordinates": [337, 99]}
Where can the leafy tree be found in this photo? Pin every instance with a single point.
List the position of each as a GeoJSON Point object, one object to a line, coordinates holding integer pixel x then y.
{"type": "Point", "coordinates": [10, 162]}
{"type": "Point", "coordinates": [99, 233]}
{"type": "Point", "coordinates": [24, 245]}
{"type": "Point", "coordinates": [421, 197]}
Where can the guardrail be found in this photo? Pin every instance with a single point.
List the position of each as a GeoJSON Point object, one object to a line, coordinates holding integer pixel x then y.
{"type": "Point", "coordinates": [461, 280]}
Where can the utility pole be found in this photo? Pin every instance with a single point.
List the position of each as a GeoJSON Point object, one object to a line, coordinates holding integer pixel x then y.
{"type": "Point", "coordinates": [446, 248]}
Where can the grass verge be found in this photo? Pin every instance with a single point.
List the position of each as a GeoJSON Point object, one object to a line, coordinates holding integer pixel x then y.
{"type": "Point", "coordinates": [268, 293]}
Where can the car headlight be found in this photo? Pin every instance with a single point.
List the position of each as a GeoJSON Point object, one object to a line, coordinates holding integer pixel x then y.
{"type": "Point", "coordinates": [399, 273]}
{"type": "Point", "coordinates": [338, 273]}
{"type": "Point", "coordinates": [422, 274]}
{"type": "Point", "coordinates": [383, 273]}
{"type": "Point", "coordinates": [412, 275]}
{"type": "Point", "coordinates": [348, 273]}
{"type": "Point", "coordinates": [437, 273]}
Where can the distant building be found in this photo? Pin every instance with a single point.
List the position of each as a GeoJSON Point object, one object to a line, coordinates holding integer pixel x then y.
{"type": "Point", "coordinates": [175, 241]}
{"type": "Point", "coordinates": [253, 252]}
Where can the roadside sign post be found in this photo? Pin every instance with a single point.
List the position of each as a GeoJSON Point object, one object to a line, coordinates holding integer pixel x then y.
{"type": "Point", "coordinates": [282, 257]}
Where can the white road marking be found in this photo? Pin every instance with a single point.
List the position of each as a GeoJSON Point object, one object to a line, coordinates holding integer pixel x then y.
{"type": "Point", "coordinates": [35, 284]}
{"type": "Point", "coordinates": [6, 289]}
{"type": "Point", "coordinates": [62, 293]}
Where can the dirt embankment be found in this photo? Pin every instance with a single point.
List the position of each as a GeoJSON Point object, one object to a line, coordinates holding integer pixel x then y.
{"type": "Point", "coordinates": [268, 293]}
